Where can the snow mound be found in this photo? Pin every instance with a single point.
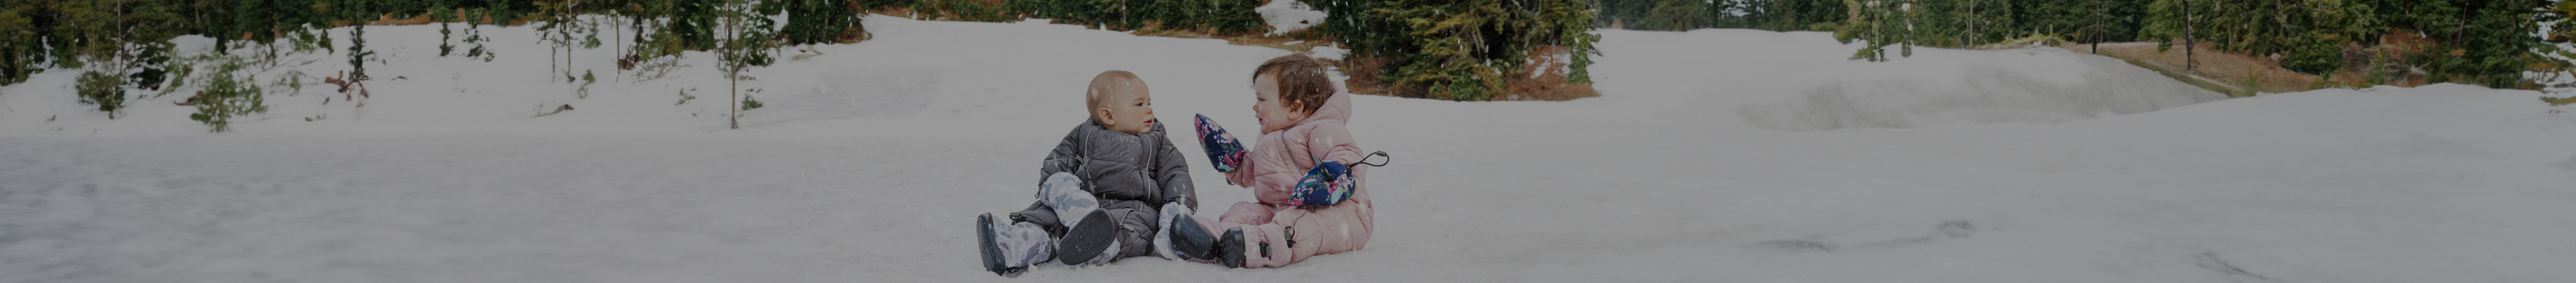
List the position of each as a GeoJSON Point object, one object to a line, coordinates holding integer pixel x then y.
{"type": "Point", "coordinates": [1982, 95]}
{"type": "Point", "coordinates": [1286, 16]}
{"type": "Point", "coordinates": [855, 93]}
{"type": "Point", "coordinates": [1328, 52]}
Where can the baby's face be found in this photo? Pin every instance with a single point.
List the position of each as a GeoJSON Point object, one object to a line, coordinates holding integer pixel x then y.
{"type": "Point", "coordinates": [1275, 114]}
{"type": "Point", "coordinates": [1134, 112]}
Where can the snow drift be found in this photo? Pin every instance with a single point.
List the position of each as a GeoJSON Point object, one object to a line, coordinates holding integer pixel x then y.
{"type": "Point", "coordinates": [1288, 16]}
{"type": "Point", "coordinates": [1980, 92]}
{"type": "Point", "coordinates": [872, 160]}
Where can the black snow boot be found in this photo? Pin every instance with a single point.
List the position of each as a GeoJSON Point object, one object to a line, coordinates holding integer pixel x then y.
{"type": "Point", "coordinates": [1230, 246]}
{"type": "Point", "coordinates": [992, 251]}
{"type": "Point", "coordinates": [1192, 241]}
{"type": "Point", "coordinates": [1088, 239]}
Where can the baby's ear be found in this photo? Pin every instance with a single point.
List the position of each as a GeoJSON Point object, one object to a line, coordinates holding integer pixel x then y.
{"type": "Point", "coordinates": [1103, 117]}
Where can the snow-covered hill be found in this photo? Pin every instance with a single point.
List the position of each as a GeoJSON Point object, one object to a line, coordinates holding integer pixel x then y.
{"type": "Point", "coordinates": [1713, 156]}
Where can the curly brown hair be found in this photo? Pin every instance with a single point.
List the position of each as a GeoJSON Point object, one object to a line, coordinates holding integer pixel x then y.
{"type": "Point", "coordinates": [1301, 81]}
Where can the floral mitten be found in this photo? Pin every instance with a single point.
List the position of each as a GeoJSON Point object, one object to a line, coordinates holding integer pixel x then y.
{"type": "Point", "coordinates": [1223, 150]}
{"type": "Point", "coordinates": [1329, 183]}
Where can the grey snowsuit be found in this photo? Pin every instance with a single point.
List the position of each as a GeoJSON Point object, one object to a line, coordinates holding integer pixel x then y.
{"type": "Point", "coordinates": [1131, 174]}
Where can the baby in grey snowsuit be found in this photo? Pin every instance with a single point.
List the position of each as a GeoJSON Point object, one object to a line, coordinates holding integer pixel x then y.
{"type": "Point", "coordinates": [1101, 189]}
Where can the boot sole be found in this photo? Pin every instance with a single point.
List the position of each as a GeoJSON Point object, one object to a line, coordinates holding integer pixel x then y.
{"type": "Point", "coordinates": [1231, 247]}
{"type": "Point", "coordinates": [1087, 240]}
{"type": "Point", "coordinates": [1192, 241]}
{"type": "Point", "coordinates": [984, 240]}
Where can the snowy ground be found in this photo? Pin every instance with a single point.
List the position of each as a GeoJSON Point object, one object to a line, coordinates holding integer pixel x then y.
{"type": "Point", "coordinates": [1713, 156]}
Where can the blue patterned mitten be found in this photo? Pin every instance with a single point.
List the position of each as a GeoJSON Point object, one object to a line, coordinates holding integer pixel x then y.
{"type": "Point", "coordinates": [1223, 150]}
{"type": "Point", "coordinates": [1329, 183]}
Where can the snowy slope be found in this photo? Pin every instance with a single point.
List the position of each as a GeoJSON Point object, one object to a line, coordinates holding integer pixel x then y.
{"type": "Point", "coordinates": [871, 160]}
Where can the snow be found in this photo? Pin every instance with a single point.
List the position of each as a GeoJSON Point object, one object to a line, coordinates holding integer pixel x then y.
{"type": "Point", "coordinates": [1328, 52]}
{"type": "Point", "coordinates": [872, 159]}
{"type": "Point", "coordinates": [1988, 87]}
{"type": "Point", "coordinates": [1286, 16]}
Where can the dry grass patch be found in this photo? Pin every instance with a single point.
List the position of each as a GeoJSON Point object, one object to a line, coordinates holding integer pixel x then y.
{"type": "Point", "coordinates": [1544, 78]}
{"type": "Point", "coordinates": [2242, 74]}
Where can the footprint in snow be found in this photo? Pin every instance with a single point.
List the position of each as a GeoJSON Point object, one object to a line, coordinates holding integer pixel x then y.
{"type": "Point", "coordinates": [2210, 261]}
{"type": "Point", "coordinates": [1951, 229]}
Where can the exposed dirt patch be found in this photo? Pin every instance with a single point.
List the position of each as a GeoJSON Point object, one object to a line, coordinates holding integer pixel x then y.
{"type": "Point", "coordinates": [2238, 73]}
{"type": "Point", "coordinates": [1364, 84]}
{"type": "Point", "coordinates": [1544, 78]}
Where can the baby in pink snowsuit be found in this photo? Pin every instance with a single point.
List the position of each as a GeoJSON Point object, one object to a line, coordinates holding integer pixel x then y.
{"type": "Point", "coordinates": [1302, 114]}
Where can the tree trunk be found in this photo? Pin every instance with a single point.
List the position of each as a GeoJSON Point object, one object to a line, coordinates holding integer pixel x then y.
{"type": "Point", "coordinates": [733, 115]}
{"type": "Point", "coordinates": [733, 73]}
{"type": "Point", "coordinates": [570, 21]}
{"type": "Point", "coordinates": [117, 56]}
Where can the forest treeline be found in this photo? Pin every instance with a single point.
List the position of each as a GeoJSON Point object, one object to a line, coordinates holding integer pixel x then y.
{"type": "Point", "coordinates": [135, 34]}
{"type": "Point", "coordinates": [2489, 42]}
{"type": "Point", "coordinates": [1461, 50]}
{"type": "Point", "coordinates": [1442, 49]}
{"type": "Point", "coordinates": [1468, 50]}
{"type": "Point", "coordinates": [122, 45]}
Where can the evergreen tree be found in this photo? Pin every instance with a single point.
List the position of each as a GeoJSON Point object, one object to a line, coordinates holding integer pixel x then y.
{"type": "Point", "coordinates": [1962, 23]}
{"type": "Point", "coordinates": [474, 35]}
{"type": "Point", "coordinates": [445, 35]}
{"type": "Point", "coordinates": [2167, 20]}
{"type": "Point", "coordinates": [1676, 15]}
{"type": "Point", "coordinates": [819, 21]}
{"type": "Point", "coordinates": [22, 48]}
{"type": "Point", "coordinates": [358, 52]}
{"type": "Point", "coordinates": [1877, 24]}
{"type": "Point", "coordinates": [676, 26]}
{"type": "Point", "coordinates": [228, 94]}
{"type": "Point", "coordinates": [263, 22]}
{"type": "Point", "coordinates": [2495, 43]}
{"type": "Point", "coordinates": [124, 42]}
{"type": "Point", "coordinates": [1458, 50]}
{"type": "Point", "coordinates": [1624, 13]}
{"type": "Point", "coordinates": [2330, 26]}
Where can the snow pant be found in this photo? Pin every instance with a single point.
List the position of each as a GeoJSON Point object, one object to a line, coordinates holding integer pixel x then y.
{"type": "Point", "coordinates": [1028, 241]}
{"type": "Point", "coordinates": [1294, 233]}
{"type": "Point", "coordinates": [1023, 244]}
{"type": "Point", "coordinates": [1062, 202]}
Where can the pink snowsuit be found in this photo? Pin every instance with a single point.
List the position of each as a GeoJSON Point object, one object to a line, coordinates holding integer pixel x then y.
{"type": "Point", "coordinates": [1276, 161]}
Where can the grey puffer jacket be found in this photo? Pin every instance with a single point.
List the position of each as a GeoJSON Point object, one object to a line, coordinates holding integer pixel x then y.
{"type": "Point", "coordinates": [1139, 171]}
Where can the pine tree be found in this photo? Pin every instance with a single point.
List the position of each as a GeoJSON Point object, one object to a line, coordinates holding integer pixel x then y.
{"type": "Point", "coordinates": [474, 35]}
{"type": "Point", "coordinates": [2166, 21]}
{"type": "Point", "coordinates": [115, 37]}
{"type": "Point", "coordinates": [2496, 43]}
{"type": "Point", "coordinates": [819, 21]}
{"type": "Point", "coordinates": [22, 49]}
{"type": "Point", "coordinates": [2329, 26]}
{"type": "Point", "coordinates": [1458, 50]}
{"type": "Point", "coordinates": [1676, 15]}
{"type": "Point", "coordinates": [1878, 24]}
{"type": "Point", "coordinates": [228, 94]}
